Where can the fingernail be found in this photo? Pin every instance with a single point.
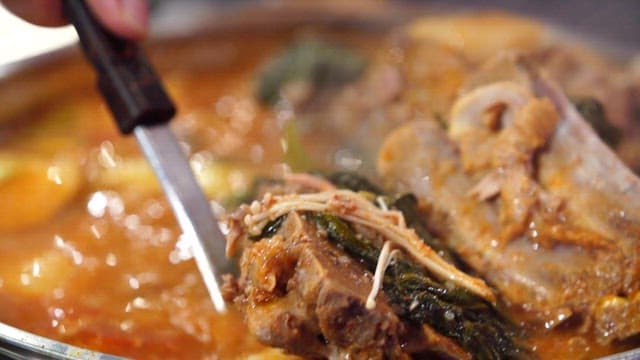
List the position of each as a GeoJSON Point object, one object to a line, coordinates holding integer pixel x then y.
{"type": "Point", "coordinates": [136, 15]}
{"type": "Point", "coordinates": [127, 18]}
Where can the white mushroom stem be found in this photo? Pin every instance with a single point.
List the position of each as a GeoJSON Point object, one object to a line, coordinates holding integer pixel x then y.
{"type": "Point", "coordinates": [378, 276]}
{"type": "Point", "coordinates": [354, 208]}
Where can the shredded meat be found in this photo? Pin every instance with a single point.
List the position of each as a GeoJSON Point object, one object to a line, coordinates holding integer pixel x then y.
{"type": "Point", "coordinates": [526, 124]}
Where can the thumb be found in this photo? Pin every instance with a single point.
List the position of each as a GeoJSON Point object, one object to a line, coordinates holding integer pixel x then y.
{"type": "Point", "coordinates": [126, 18]}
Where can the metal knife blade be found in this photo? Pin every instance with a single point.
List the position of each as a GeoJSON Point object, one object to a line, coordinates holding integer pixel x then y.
{"type": "Point", "coordinates": [190, 206]}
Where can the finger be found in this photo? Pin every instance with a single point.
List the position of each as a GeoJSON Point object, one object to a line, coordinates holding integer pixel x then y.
{"type": "Point", "coordinates": [39, 12]}
{"type": "Point", "coordinates": [127, 18]}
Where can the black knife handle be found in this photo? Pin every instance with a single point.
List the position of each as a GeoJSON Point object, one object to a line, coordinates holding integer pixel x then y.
{"type": "Point", "coordinates": [126, 79]}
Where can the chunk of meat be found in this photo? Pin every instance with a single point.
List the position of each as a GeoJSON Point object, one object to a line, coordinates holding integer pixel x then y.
{"type": "Point", "coordinates": [616, 316]}
{"type": "Point", "coordinates": [301, 293]}
{"type": "Point", "coordinates": [577, 239]}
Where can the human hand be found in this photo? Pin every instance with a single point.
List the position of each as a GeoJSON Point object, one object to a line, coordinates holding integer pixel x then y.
{"type": "Point", "coordinates": [126, 18]}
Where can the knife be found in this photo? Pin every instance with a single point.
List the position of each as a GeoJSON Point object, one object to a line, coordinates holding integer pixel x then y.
{"type": "Point", "coordinates": [140, 106]}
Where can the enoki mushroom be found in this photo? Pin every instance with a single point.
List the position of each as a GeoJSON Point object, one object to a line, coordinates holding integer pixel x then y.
{"type": "Point", "coordinates": [354, 208]}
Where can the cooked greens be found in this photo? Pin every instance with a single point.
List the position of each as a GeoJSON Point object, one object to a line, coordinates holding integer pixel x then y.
{"type": "Point", "coordinates": [294, 153]}
{"type": "Point", "coordinates": [315, 61]}
{"type": "Point", "coordinates": [407, 204]}
{"type": "Point", "coordinates": [270, 229]}
{"type": "Point", "coordinates": [594, 113]}
{"type": "Point", "coordinates": [353, 182]}
{"type": "Point", "coordinates": [453, 312]}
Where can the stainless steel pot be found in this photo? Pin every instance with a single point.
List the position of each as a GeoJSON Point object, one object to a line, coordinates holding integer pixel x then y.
{"type": "Point", "coordinates": [18, 344]}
